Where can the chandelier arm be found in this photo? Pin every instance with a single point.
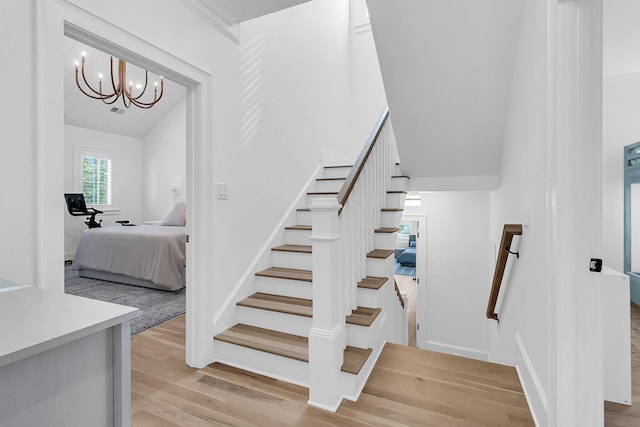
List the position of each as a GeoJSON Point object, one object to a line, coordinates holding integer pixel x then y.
{"type": "Point", "coordinates": [117, 88]}
{"type": "Point", "coordinates": [115, 98]}
{"type": "Point", "coordinates": [102, 98]}
{"type": "Point", "coordinates": [144, 89]}
{"type": "Point", "coordinates": [145, 105]}
{"type": "Point", "coordinates": [99, 95]}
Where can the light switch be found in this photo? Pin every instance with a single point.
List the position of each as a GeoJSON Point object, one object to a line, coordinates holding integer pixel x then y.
{"type": "Point", "coordinates": [223, 191]}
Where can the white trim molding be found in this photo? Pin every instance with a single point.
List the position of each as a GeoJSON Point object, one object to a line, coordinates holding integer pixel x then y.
{"type": "Point", "coordinates": [532, 386]}
{"type": "Point", "coordinates": [457, 350]}
{"type": "Point", "coordinates": [220, 21]}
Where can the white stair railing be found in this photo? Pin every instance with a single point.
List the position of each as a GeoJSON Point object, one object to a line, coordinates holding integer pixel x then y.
{"type": "Point", "coordinates": [342, 236]}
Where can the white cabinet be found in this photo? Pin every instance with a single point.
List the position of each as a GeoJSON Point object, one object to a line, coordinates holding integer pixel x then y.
{"type": "Point", "coordinates": [64, 360]}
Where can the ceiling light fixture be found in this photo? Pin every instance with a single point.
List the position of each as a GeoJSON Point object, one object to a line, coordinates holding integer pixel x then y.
{"type": "Point", "coordinates": [120, 88]}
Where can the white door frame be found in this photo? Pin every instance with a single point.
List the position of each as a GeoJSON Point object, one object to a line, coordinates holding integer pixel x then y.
{"type": "Point", "coordinates": [54, 20]}
{"type": "Point", "coordinates": [421, 276]}
{"type": "Point", "coordinates": [574, 190]}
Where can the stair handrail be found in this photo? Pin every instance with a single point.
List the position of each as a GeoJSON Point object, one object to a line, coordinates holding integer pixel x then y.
{"type": "Point", "coordinates": [508, 231]}
{"type": "Point", "coordinates": [356, 170]}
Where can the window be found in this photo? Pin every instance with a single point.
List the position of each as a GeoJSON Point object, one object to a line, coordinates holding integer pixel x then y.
{"type": "Point", "coordinates": [405, 230]}
{"type": "Point", "coordinates": [96, 180]}
{"type": "Point", "coordinates": [94, 176]}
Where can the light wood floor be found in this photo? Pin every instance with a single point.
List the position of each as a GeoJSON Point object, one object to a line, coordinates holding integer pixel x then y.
{"type": "Point", "coordinates": [408, 387]}
{"type": "Point", "coordinates": [616, 415]}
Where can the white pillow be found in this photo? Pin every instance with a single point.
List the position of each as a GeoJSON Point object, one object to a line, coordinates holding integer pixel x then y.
{"type": "Point", "coordinates": [177, 216]}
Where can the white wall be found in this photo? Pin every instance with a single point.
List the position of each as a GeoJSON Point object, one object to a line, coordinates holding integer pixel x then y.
{"type": "Point", "coordinates": [127, 182]}
{"type": "Point", "coordinates": [368, 98]}
{"type": "Point", "coordinates": [164, 163]}
{"type": "Point", "coordinates": [278, 98]}
{"type": "Point", "coordinates": [458, 276]}
{"type": "Point", "coordinates": [18, 167]}
{"type": "Point", "coordinates": [524, 311]}
{"type": "Point", "coordinates": [620, 127]}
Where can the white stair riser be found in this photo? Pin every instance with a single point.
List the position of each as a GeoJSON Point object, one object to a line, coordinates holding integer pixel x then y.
{"type": "Point", "coordinates": [335, 172]}
{"type": "Point", "coordinates": [290, 370]}
{"type": "Point", "coordinates": [366, 336]}
{"type": "Point", "coordinates": [370, 297]}
{"type": "Point", "coordinates": [301, 261]}
{"type": "Point", "coordinates": [303, 217]}
{"type": "Point", "coordinates": [398, 184]}
{"type": "Point", "coordinates": [385, 240]}
{"type": "Point", "coordinates": [397, 170]}
{"type": "Point", "coordinates": [332, 185]}
{"type": "Point", "coordinates": [380, 267]}
{"type": "Point", "coordinates": [310, 197]}
{"type": "Point", "coordinates": [287, 323]}
{"type": "Point", "coordinates": [395, 200]}
{"type": "Point", "coordinates": [286, 287]}
{"type": "Point", "coordinates": [390, 219]}
{"type": "Point", "coordinates": [297, 237]}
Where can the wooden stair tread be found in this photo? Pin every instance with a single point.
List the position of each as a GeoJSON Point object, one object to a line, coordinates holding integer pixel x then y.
{"type": "Point", "coordinates": [387, 230]}
{"type": "Point", "coordinates": [339, 166]}
{"type": "Point", "coordinates": [274, 342]}
{"type": "Point", "coordinates": [396, 192]}
{"type": "Point", "coordinates": [279, 303]}
{"type": "Point", "coordinates": [331, 179]}
{"type": "Point", "coordinates": [305, 249]}
{"type": "Point", "coordinates": [298, 227]}
{"type": "Point", "coordinates": [392, 210]}
{"type": "Point", "coordinates": [372, 282]}
{"type": "Point", "coordinates": [286, 273]}
{"type": "Point", "coordinates": [303, 210]}
{"type": "Point", "coordinates": [354, 359]}
{"type": "Point", "coordinates": [400, 176]}
{"type": "Point", "coordinates": [380, 253]}
{"type": "Point", "coordinates": [363, 316]}
{"type": "Point", "coordinates": [322, 193]}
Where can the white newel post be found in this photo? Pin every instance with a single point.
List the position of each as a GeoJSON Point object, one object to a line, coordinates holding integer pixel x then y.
{"type": "Point", "coordinates": [327, 335]}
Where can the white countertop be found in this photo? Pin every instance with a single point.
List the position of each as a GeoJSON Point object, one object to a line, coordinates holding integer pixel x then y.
{"type": "Point", "coordinates": [34, 320]}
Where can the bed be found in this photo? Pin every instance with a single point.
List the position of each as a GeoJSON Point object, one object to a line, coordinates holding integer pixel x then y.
{"type": "Point", "coordinates": [408, 257]}
{"type": "Point", "coordinates": [153, 256]}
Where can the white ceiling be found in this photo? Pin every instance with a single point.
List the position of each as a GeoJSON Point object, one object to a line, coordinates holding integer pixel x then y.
{"type": "Point", "coordinates": [446, 66]}
{"type": "Point", "coordinates": [82, 111]}
{"type": "Point", "coordinates": [235, 11]}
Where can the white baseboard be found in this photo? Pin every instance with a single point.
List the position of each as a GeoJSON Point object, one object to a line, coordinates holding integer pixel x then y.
{"type": "Point", "coordinates": [534, 392]}
{"type": "Point", "coordinates": [68, 256]}
{"type": "Point", "coordinates": [456, 350]}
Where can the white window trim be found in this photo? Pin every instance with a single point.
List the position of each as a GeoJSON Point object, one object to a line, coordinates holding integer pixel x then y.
{"type": "Point", "coordinates": [79, 152]}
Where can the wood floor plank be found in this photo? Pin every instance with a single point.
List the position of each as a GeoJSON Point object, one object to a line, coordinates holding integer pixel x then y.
{"type": "Point", "coordinates": [408, 387]}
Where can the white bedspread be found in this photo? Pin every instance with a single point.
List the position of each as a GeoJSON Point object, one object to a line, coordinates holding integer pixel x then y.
{"type": "Point", "coordinates": [150, 252]}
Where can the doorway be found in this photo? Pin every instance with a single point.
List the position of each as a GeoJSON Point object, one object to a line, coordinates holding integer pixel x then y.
{"type": "Point", "coordinates": [410, 268]}
{"type": "Point", "coordinates": [56, 20]}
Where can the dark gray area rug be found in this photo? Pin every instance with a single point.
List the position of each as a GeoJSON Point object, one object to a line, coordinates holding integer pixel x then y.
{"type": "Point", "coordinates": [157, 306]}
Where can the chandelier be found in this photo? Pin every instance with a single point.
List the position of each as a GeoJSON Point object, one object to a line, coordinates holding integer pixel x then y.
{"type": "Point", "coordinates": [119, 88]}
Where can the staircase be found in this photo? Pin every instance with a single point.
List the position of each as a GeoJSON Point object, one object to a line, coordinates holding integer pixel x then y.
{"type": "Point", "coordinates": [275, 322]}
